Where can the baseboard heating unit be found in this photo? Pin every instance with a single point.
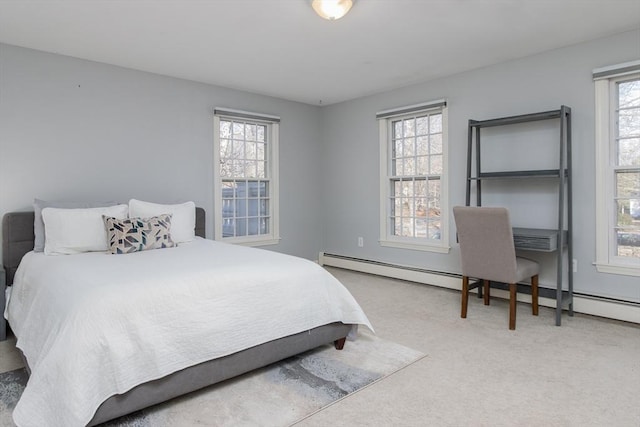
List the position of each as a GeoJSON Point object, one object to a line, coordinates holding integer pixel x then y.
{"type": "Point", "coordinates": [582, 303]}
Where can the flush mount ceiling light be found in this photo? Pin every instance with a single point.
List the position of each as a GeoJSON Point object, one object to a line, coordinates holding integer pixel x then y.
{"type": "Point", "coordinates": [331, 9]}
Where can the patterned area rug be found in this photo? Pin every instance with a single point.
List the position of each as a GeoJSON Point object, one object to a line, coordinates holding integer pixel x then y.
{"type": "Point", "coordinates": [277, 395]}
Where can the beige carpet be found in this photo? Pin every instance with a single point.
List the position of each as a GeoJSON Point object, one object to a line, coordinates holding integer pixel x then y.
{"type": "Point", "coordinates": [478, 373]}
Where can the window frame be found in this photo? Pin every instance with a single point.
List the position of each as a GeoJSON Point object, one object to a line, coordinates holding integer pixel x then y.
{"type": "Point", "coordinates": [606, 104]}
{"type": "Point", "coordinates": [271, 176]}
{"type": "Point", "coordinates": [388, 239]}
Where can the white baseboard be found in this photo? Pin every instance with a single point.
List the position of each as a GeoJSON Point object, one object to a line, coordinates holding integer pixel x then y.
{"type": "Point", "coordinates": [619, 310]}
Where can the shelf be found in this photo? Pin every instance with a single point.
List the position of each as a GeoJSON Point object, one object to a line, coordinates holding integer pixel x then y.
{"type": "Point", "coordinates": [512, 120]}
{"type": "Point", "coordinates": [558, 240]}
{"type": "Point", "coordinates": [538, 173]}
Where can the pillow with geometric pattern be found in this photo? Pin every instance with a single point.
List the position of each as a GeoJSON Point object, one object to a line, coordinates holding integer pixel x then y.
{"type": "Point", "coordinates": [138, 234]}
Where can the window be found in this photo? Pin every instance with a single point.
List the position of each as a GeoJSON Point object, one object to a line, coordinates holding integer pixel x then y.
{"type": "Point", "coordinates": [618, 169]}
{"type": "Point", "coordinates": [413, 184]}
{"type": "Point", "coordinates": [246, 177]}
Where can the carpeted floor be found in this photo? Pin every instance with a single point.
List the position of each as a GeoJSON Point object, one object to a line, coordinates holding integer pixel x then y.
{"type": "Point", "coordinates": [277, 395]}
{"type": "Point", "coordinates": [584, 373]}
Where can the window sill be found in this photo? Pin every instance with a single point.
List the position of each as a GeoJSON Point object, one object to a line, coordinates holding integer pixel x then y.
{"type": "Point", "coordinates": [425, 247]}
{"type": "Point", "coordinates": [252, 242]}
{"type": "Point", "coordinates": [626, 270]}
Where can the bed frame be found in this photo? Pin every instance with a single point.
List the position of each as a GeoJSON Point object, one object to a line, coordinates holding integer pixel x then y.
{"type": "Point", "coordinates": [17, 240]}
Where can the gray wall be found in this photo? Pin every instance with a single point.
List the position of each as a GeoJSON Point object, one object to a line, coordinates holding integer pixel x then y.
{"type": "Point", "coordinates": [80, 130]}
{"type": "Point", "coordinates": [536, 83]}
{"type": "Point", "coordinates": [75, 129]}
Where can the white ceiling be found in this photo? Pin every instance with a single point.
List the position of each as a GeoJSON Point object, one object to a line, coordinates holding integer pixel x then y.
{"type": "Point", "coordinates": [283, 49]}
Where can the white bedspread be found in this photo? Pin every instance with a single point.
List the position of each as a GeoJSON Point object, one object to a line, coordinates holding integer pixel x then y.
{"type": "Point", "coordinates": [93, 325]}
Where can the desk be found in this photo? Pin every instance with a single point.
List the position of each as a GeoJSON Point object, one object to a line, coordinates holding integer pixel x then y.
{"type": "Point", "coordinates": [537, 239]}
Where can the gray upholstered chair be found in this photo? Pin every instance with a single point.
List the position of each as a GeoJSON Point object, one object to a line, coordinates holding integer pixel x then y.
{"type": "Point", "coordinates": [487, 253]}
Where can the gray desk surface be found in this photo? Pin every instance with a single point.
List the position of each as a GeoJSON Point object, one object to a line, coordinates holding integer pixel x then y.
{"type": "Point", "coordinates": [538, 232]}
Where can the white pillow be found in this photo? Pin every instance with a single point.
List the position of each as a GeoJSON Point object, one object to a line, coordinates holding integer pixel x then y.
{"type": "Point", "coordinates": [73, 231]}
{"type": "Point", "coordinates": [183, 221]}
{"type": "Point", "coordinates": [38, 225]}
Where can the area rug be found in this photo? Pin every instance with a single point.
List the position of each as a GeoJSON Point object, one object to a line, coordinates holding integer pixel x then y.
{"type": "Point", "coordinates": [277, 395]}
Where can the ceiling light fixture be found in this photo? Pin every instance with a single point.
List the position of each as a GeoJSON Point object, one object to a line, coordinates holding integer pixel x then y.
{"type": "Point", "coordinates": [331, 9]}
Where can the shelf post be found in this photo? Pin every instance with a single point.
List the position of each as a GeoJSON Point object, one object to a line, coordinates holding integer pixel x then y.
{"type": "Point", "coordinates": [469, 154]}
{"type": "Point", "coordinates": [567, 114]}
{"type": "Point", "coordinates": [478, 170]}
{"type": "Point", "coordinates": [561, 190]}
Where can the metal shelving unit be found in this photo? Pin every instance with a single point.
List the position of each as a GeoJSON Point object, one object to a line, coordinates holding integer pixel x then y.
{"type": "Point", "coordinates": [562, 235]}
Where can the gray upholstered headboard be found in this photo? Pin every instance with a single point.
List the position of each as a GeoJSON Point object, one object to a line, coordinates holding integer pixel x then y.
{"type": "Point", "coordinates": [18, 237]}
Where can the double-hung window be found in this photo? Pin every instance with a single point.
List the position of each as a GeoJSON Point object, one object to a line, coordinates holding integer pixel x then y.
{"type": "Point", "coordinates": [618, 169]}
{"type": "Point", "coordinates": [413, 177]}
{"type": "Point", "coordinates": [246, 177]}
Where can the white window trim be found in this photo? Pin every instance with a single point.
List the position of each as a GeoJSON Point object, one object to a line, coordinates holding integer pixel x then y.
{"type": "Point", "coordinates": [606, 261]}
{"type": "Point", "coordinates": [273, 237]}
{"type": "Point", "coordinates": [413, 243]}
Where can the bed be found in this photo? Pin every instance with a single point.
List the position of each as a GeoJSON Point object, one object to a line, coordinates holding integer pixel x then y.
{"type": "Point", "coordinates": [189, 365]}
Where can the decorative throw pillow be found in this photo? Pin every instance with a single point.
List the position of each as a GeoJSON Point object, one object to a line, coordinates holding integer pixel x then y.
{"type": "Point", "coordinates": [138, 234]}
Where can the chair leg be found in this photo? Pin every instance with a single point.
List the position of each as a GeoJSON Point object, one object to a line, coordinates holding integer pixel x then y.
{"type": "Point", "coordinates": [513, 288]}
{"type": "Point", "coordinates": [487, 295]}
{"type": "Point", "coordinates": [534, 295]}
{"type": "Point", "coordinates": [465, 296]}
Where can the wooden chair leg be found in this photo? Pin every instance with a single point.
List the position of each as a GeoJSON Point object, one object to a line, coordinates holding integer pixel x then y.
{"type": "Point", "coordinates": [513, 288]}
{"type": "Point", "coordinates": [534, 295]}
{"type": "Point", "coordinates": [465, 296]}
{"type": "Point", "coordinates": [487, 295]}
